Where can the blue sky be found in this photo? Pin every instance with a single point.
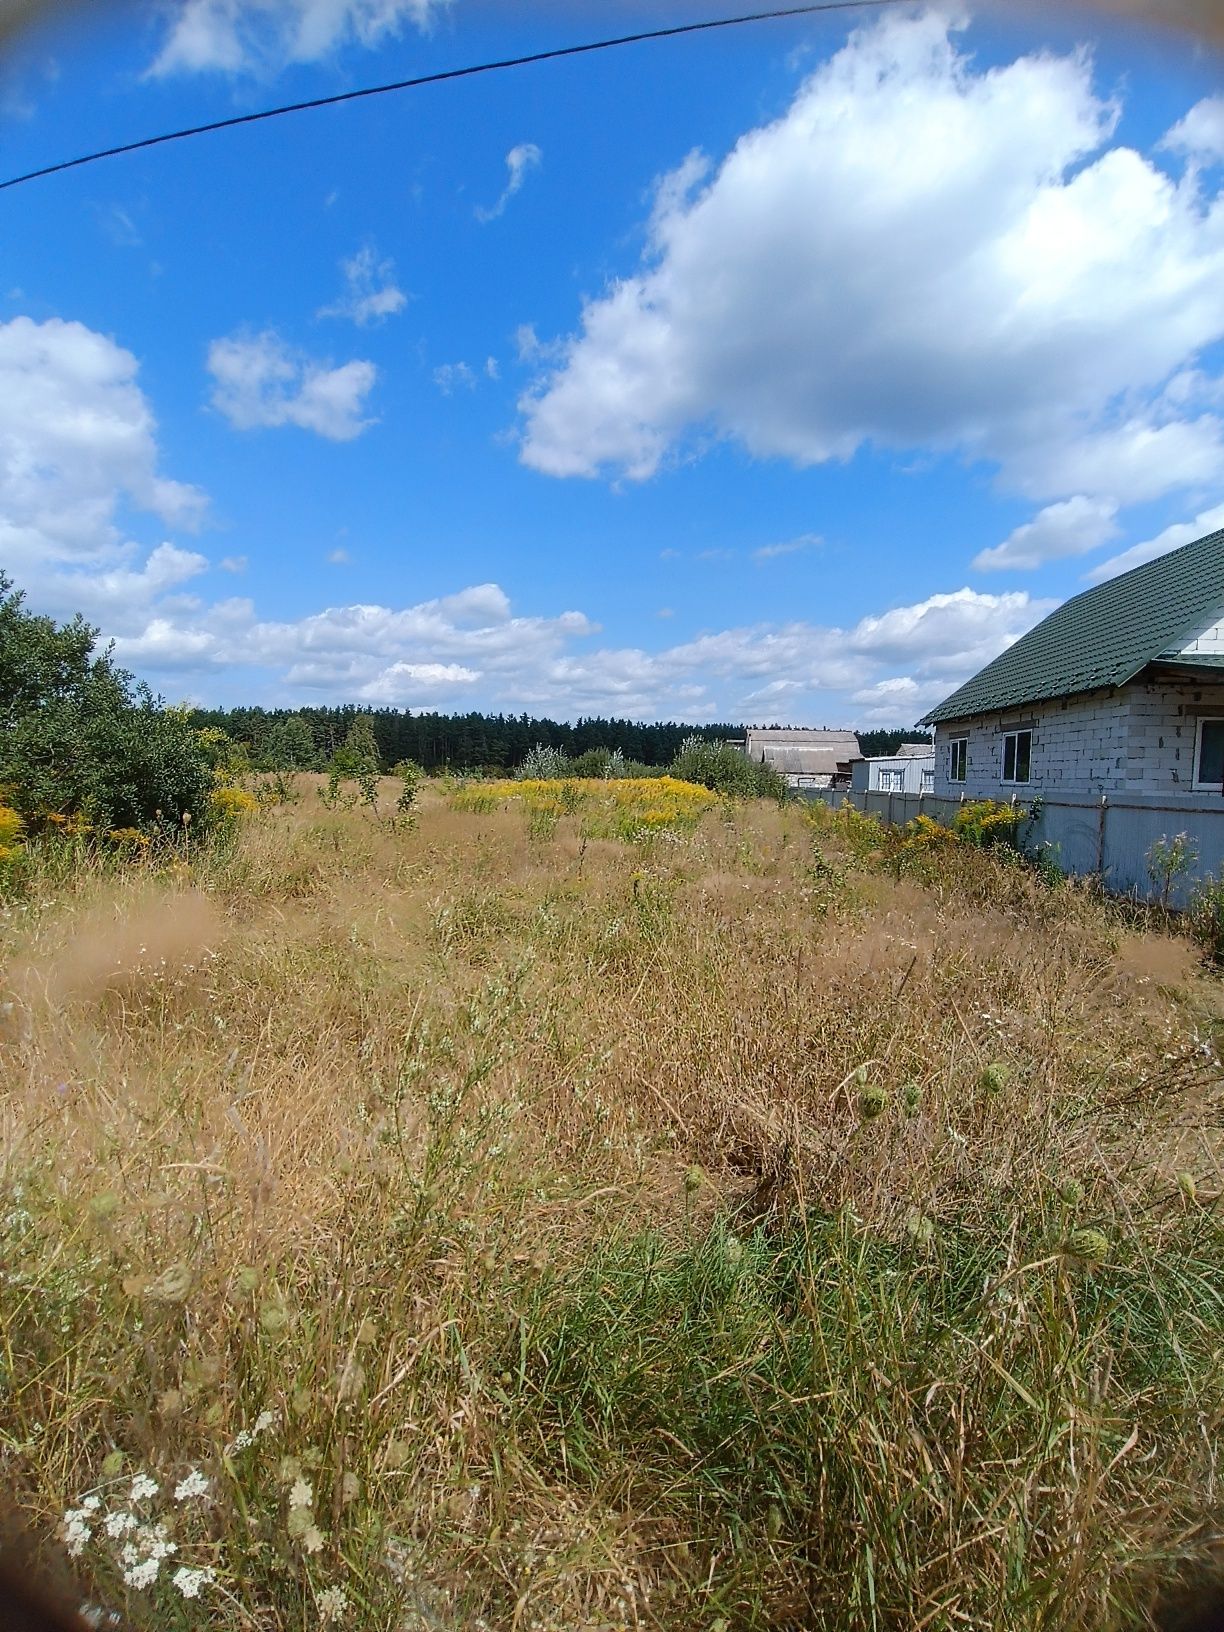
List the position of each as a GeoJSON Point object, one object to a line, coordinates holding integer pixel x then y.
{"type": "Point", "coordinates": [783, 373]}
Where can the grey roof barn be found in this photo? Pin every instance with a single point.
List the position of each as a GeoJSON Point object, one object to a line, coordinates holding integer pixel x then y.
{"type": "Point", "coordinates": [801, 752]}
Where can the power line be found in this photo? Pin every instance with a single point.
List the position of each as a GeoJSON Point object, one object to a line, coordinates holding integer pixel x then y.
{"type": "Point", "coordinates": [446, 74]}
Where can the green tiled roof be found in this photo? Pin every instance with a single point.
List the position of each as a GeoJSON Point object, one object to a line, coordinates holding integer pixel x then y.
{"type": "Point", "coordinates": [1103, 637]}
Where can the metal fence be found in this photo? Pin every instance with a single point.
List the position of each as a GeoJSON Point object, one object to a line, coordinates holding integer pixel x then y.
{"type": "Point", "coordinates": [1106, 835]}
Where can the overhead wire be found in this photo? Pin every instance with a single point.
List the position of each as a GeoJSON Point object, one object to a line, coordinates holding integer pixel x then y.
{"type": "Point", "coordinates": [443, 75]}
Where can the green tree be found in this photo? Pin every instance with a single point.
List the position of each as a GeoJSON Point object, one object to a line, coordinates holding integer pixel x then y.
{"type": "Point", "coordinates": [289, 746]}
{"type": "Point", "coordinates": [78, 735]}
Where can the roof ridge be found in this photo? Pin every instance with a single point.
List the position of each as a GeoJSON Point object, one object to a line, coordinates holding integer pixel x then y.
{"type": "Point", "coordinates": [1101, 637]}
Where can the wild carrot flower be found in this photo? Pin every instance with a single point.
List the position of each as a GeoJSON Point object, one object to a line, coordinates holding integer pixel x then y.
{"type": "Point", "coordinates": [301, 1495]}
{"type": "Point", "coordinates": [872, 1101]}
{"type": "Point", "coordinates": [189, 1581]}
{"type": "Point", "coordinates": [119, 1525]}
{"type": "Point", "coordinates": [76, 1530]}
{"type": "Point", "coordinates": [143, 1487]}
{"type": "Point", "coordinates": [332, 1604]}
{"type": "Point", "coordinates": [195, 1484]}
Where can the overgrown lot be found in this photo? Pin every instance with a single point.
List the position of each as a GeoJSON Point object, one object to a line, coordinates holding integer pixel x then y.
{"type": "Point", "coordinates": [504, 1221]}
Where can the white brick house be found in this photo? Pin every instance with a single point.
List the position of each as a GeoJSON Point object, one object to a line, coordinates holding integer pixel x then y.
{"type": "Point", "coordinates": [1121, 690]}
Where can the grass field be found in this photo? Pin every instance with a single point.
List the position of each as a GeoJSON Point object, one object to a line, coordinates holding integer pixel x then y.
{"type": "Point", "coordinates": [520, 1220]}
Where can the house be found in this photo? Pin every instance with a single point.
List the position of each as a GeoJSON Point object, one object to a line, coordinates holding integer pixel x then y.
{"type": "Point", "coordinates": [1118, 694]}
{"type": "Point", "coordinates": [910, 770]}
{"type": "Point", "coordinates": [806, 758]}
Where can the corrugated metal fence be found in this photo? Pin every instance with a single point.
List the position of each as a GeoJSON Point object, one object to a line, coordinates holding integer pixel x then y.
{"type": "Point", "coordinates": [1109, 835]}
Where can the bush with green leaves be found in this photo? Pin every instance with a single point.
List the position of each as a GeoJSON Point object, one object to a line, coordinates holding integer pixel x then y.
{"type": "Point", "coordinates": [543, 764]}
{"type": "Point", "coordinates": [722, 768]}
{"type": "Point", "coordinates": [79, 736]}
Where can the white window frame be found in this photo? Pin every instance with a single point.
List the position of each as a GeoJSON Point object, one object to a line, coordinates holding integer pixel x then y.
{"type": "Point", "coordinates": [1205, 719]}
{"type": "Point", "coordinates": [895, 782]}
{"type": "Point", "coordinates": [953, 745]}
{"type": "Point", "coordinates": [1014, 736]}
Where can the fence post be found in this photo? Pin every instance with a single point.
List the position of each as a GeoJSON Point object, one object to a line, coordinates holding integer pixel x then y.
{"type": "Point", "coordinates": [1101, 809]}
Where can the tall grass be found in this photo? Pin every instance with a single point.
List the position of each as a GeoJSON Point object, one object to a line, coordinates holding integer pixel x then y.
{"type": "Point", "coordinates": [706, 1230]}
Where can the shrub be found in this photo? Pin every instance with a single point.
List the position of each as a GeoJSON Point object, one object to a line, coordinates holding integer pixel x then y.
{"type": "Point", "coordinates": [79, 737]}
{"type": "Point", "coordinates": [1169, 860]}
{"type": "Point", "coordinates": [985, 822]}
{"type": "Point", "coordinates": [1206, 916]}
{"type": "Point", "coordinates": [724, 769]}
{"type": "Point", "coordinates": [544, 764]}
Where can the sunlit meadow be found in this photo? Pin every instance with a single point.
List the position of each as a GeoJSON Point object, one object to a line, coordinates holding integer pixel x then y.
{"type": "Point", "coordinates": [558, 1209]}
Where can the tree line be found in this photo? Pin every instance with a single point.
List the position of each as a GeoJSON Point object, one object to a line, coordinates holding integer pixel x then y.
{"type": "Point", "coordinates": [308, 738]}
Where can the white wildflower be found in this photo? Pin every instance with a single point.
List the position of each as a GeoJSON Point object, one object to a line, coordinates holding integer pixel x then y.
{"type": "Point", "coordinates": [264, 1423]}
{"type": "Point", "coordinates": [189, 1581]}
{"type": "Point", "coordinates": [90, 1504]}
{"type": "Point", "coordinates": [301, 1495]}
{"type": "Point", "coordinates": [143, 1487]}
{"type": "Point", "coordinates": [312, 1541]}
{"type": "Point", "coordinates": [155, 1541]}
{"type": "Point", "coordinates": [195, 1484]}
{"type": "Point", "coordinates": [332, 1604]}
{"type": "Point", "coordinates": [120, 1524]}
{"type": "Point", "coordinates": [143, 1574]}
{"type": "Point", "coordinates": [76, 1530]}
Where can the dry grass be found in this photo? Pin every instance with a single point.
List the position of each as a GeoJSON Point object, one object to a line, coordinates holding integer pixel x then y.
{"type": "Point", "coordinates": [669, 1234]}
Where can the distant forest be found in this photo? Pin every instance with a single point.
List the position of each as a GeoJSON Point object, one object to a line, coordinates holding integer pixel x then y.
{"type": "Point", "coordinates": [306, 738]}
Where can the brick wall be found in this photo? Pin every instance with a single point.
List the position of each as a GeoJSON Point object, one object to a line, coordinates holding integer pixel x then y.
{"type": "Point", "coordinates": [1140, 738]}
{"type": "Point", "coordinates": [1210, 642]}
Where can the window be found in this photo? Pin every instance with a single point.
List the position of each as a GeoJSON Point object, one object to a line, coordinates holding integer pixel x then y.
{"type": "Point", "coordinates": [928, 782]}
{"type": "Point", "coordinates": [1209, 755]}
{"type": "Point", "coordinates": [892, 781]}
{"type": "Point", "coordinates": [958, 759]}
{"type": "Point", "coordinates": [1017, 756]}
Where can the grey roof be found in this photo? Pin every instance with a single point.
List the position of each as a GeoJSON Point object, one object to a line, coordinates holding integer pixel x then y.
{"type": "Point", "coordinates": [1103, 637]}
{"type": "Point", "coordinates": [912, 750]}
{"type": "Point", "coordinates": [800, 752]}
{"type": "Point", "coordinates": [803, 736]}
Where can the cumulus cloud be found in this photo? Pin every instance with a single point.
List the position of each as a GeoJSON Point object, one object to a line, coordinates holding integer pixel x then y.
{"type": "Point", "coordinates": [260, 381]}
{"type": "Point", "coordinates": [1172, 538]}
{"type": "Point", "coordinates": [262, 36]}
{"type": "Point", "coordinates": [77, 445]}
{"type": "Point", "coordinates": [371, 293]}
{"type": "Point", "coordinates": [917, 254]}
{"type": "Point", "coordinates": [526, 156]}
{"type": "Point", "coordinates": [1070, 527]}
{"type": "Point", "coordinates": [1201, 133]}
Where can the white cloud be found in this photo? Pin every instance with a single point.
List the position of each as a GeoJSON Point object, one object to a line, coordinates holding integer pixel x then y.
{"type": "Point", "coordinates": [338, 558]}
{"type": "Point", "coordinates": [77, 445]}
{"type": "Point", "coordinates": [407, 682]}
{"type": "Point", "coordinates": [791, 546]}
{"type": "Point", "coordinates": [918, 255]}
{"type": "Point", "coordinates": [1201, 132]}
{"type": "Point", "coordinates": [451, 377]}
{"type": "Point", "coordinates": [1070, 527]}
{"type": "Point", "coordinates": [1182, 532]}
{"type": "Point", "coordinates": [262, 36]}
{"type": "Point", "coordinates": [371, 293]}
{"type": "Point", "coordinates": [526, 156]}
{"type": "Point", "coordinates": [260, 381]}
{"type": "Point", "coordinates": [233, 563]}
